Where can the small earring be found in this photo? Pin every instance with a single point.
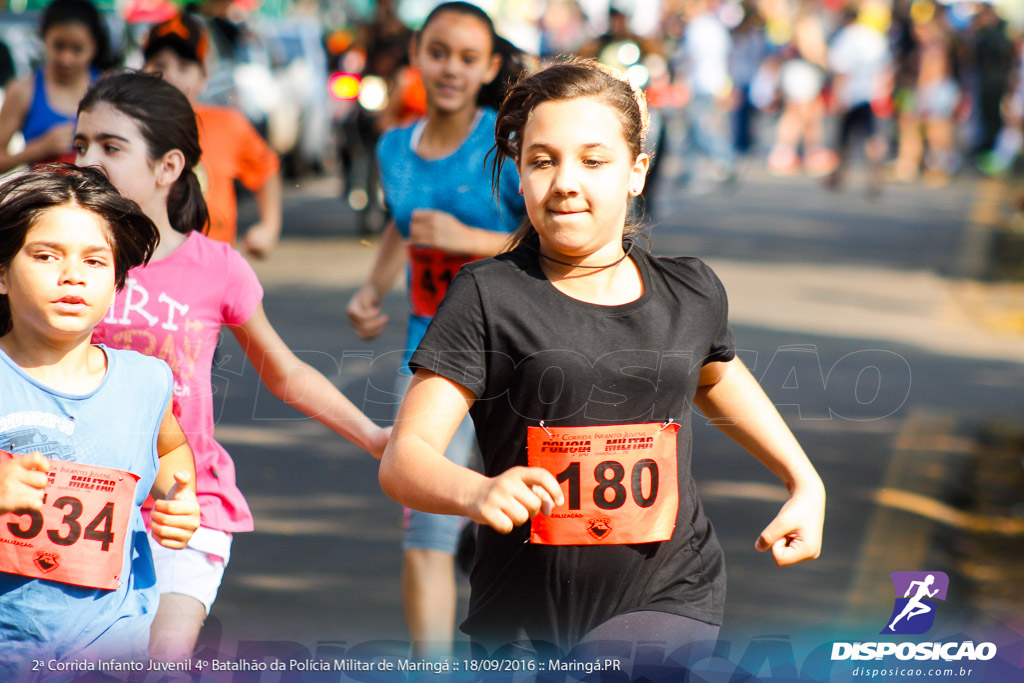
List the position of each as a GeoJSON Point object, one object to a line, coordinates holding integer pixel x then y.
{"type": "Point", "coordinates": [520, 190]}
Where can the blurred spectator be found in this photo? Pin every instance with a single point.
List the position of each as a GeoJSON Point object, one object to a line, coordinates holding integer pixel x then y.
{"type": "Point", "coordinates": [930, 101]}
{"type": "Point", "coordinates": [703, 59]}
{"type": "Point", "coordinates": [1010, 139]}
{"type": "Point", "coordinates": [563, 28]}
{"type": "Point", "coordinates": [993, 65]}
{"type": "Point", "coordinates": [860, 59]}
{"type": "Point", "coordinates": [44, 105]}
{"type": "Point", "coordinates": [749, 50]}
{"type": "Point", "coordinates": [802, 79]}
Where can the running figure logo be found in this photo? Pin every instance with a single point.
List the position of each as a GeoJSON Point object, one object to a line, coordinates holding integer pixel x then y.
{"type": "Point", "coordinates": [914, 613]}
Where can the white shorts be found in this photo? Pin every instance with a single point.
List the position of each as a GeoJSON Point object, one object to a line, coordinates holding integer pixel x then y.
{"type": "Point", "coordinates": [197, 569]}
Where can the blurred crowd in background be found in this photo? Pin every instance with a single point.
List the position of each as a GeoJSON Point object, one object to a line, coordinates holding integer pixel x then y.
{"type": "Point", "coordinates": [910, 90]}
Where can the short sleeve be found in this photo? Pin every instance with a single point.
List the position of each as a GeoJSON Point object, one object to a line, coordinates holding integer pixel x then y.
{"type": "Point", "coordinates": [722, 347]}
{"type": "Point", "coordinates": [455, 341]}
{"type": "Point", "coordinates": [257, 163]}
{"type": "Point", "coordinates": [242, 289]}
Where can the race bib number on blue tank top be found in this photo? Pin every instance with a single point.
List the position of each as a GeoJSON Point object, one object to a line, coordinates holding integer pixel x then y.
{"type": "Point", "coordinates": [78, 535]}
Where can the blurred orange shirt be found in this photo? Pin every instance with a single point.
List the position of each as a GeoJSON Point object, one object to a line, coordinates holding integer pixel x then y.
{"type": "Point", "coordinates": [232, 149]}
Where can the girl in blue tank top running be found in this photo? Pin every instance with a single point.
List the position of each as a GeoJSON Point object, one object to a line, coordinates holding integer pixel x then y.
{"type": "Point", "coordinates": [43, 105]}
{"type": "Point", "coordinates": [86, 432]}
{"type": "Point", "coordinates": [444, 214]}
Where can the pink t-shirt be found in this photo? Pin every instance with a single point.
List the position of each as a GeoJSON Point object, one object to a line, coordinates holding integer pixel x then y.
{"type": "Point", "coordinates": [173, 309]}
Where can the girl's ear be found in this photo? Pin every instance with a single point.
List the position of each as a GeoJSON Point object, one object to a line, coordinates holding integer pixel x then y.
{"type": "Point", "coordinates": [495, 67]}
{"type": "Point", "coordinates": [638, 174]}
{"type": "Point", "coordinates": [3, 280]}
{"type": "Point", "coordinates": [169, 168]}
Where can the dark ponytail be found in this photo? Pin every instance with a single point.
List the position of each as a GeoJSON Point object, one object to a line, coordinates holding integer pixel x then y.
{"type": "Point", "coordinates": [167, 122]}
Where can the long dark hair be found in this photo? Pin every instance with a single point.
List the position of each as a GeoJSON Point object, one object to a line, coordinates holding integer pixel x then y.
{"type": "Point", "coordinates": [85, 13]}
{"type": "Point", "coordinates": [26, 197]}
{"type": "Point", "coordinates": [569, 79]}
{"type": "Point", "coordinates": [166, 121]}
{"type": "Point", "coordinates": [512, 58]}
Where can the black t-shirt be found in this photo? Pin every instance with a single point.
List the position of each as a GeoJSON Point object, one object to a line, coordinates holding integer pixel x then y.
{"type": "Point", "coordinates": [531, 353]}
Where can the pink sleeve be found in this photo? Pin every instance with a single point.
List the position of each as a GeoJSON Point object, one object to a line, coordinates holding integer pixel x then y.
{"type": "Point", "coordinates": [242, 289]}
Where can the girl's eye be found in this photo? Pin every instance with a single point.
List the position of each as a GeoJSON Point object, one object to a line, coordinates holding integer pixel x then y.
{"type": "Point", "coordinates": [436, 54]}
{"type": "Point", "coordinates": [97, 262]}
{"type": "Point", "coordinates": [45, 258]}
{"type": "Point", "coordinates": [110, 149]}
{"type": "Point", "coordinates": [542, 162]}
{"type": "Point", "coordinates": [469, 61]}
{"type": "Point", "coordinates": [593, 163]}
{"type": "Point", "coordinates": [80, 149]}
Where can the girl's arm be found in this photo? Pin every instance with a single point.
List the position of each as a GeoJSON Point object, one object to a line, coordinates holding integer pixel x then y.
{"type": "Point", "coordinates": [364, 310]}
{"type": "Point", "coordinates": [176, 510]}
{"type": "Point", "coordinates": [432, 228]}
{"type": "Point", "coordinates": [730, 396]}
{"type": "Point", "coordinates": [261, 238]}
{"type": "Point", "coordinates": [415, 472]}
{"type": "Point", "coordinates": [55, 142]}
{"type": "Point", "coordinates": [303, 387]}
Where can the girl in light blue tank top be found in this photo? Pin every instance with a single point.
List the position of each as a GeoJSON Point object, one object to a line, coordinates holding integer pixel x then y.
{"type": "Point", "coordinates": [86, 432]}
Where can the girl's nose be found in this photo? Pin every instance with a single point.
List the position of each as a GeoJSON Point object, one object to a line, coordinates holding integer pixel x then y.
{"type": "Point", "coordinates": [566, 181]}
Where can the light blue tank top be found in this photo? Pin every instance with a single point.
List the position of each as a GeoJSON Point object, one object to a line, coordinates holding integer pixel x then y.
{"type": "Point", "coordinates": [115, 425]}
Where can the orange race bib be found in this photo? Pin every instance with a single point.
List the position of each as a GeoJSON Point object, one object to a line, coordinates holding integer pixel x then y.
{"type": "Point", "coordinates": [78, 535]}
{"type": "Point", "coordinates": [431, 271]}
{"type": "Point", "coordinates": [620, 483]}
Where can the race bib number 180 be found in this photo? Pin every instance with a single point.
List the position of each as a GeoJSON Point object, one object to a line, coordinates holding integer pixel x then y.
{"type": "Point", "coordinates": [620, 483]}
{"type": "Point", "coordinates": [78, 535]}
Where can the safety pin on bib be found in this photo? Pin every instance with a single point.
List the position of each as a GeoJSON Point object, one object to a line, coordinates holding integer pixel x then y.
{"type": "Point", "coordinates": [667, 423]}
{"type": "Point", "coordinates": [542, 426]}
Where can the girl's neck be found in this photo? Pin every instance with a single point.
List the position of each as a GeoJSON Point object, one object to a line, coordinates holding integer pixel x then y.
{"type": "Point", "coordinates": [170, 239]}
{"type": "Point", "coordinates": [445, 132]}
{"type": "Point", "coordinates": [619, 282]}
{"type": "Point", "coordinates": [72, 366]}
{"type": "Point", "coordinates": [79, 82]}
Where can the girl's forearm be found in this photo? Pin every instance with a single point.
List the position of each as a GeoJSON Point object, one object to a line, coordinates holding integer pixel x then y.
{"type": "Point", "coordinates": [390, 260]}
{"type": "Point", "coordinates": [741, 409]}
{"type": "Point", "coordinates": [415, 474]}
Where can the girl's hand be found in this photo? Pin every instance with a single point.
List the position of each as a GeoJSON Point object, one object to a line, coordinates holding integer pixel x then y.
{"type": "Point", "coordinates": [430, 228]}
{"type": "Point", "coordinates": [260, 240]}
{"type": "Point", "coordinates": [176, 518]}
{"type": "Point", "coordinates": [795, 533]}
{"type": "Point", "coordinates": [365, 314]}
{"type": "Point", "coordinates": [22, 483]}
{"type": "Point", "coordinates": [514, 497]}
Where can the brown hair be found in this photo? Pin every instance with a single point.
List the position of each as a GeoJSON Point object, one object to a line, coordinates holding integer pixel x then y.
{"type": "Point", "coordinates": [24, 198]}
{"type": "Point", "coordinates": [569, 79]}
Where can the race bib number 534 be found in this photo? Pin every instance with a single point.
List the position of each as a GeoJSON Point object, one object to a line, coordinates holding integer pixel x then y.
{"type": "Point", "coordinates": [78, 535]}
{"type": "Point", "coordinates": [620, 483]}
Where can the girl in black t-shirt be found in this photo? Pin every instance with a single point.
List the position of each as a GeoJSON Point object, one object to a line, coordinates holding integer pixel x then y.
{"type": "Point", "coordinates": [579, 356]}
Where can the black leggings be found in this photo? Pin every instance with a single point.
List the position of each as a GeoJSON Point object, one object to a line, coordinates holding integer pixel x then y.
{"type": "Point", "coordinates": [655, 645]}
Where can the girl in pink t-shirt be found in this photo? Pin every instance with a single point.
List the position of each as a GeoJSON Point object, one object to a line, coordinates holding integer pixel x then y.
{"type": "Point", "coordinates": [141, 131]}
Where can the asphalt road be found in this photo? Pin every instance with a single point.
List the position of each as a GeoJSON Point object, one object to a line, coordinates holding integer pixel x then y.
{"type": "Point", "coordinates": [855, 316]}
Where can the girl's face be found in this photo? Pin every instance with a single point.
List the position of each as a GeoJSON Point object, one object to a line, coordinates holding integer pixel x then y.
{"type": "Point", "coordinates": [455, 57]}
{"type": "Point", "coordinates": [62, 281]}
{"type": "Point", "coordinates": [187, 76]}
{"type": "Point", "coordinates": [70, 49]}
{"type": "Point", "coordinates": [577, 174]}
{"type": "Point", "coordinates": [110, 140]}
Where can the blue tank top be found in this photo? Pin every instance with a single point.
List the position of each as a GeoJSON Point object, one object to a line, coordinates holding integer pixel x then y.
{"type": "Point", "coordinates": [115, 426]}
{"type": "Point", "coordinates": [41, 117]}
